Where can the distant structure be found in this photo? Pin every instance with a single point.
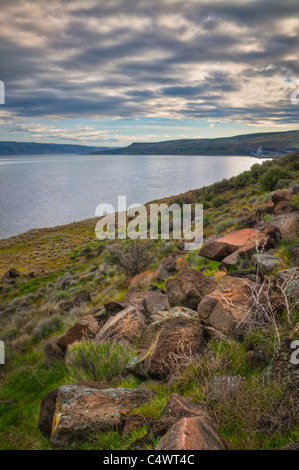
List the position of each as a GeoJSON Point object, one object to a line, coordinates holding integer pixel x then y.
{"type": "Point", "coordinates": [260, 151]}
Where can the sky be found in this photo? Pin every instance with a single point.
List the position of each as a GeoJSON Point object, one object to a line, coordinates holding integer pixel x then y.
{"type": "Point", "coordinates": [113, 72]}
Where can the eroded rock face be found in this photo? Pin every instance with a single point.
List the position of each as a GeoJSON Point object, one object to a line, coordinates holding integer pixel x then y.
{"type": "Point", "coordinates": [192, 434]}
{"type": "Point", "coordinates": [189, 288]}
{"type": "Point", "coordinates": [165, 343]}
{"type": "Point", "coordinates": [223, 308]}
{"type": "Point", "coordinates": [282, 195]}
{"type": "Point", "coordinates": [150, 302]}
{"type": "Point", "coordinates": [81, 411]}
{"type": "Point", "coordinates": [225, 246]}
{"type": "Point", "coordinates": [123, 328]}
{"type": "Point", "coordinates": [86, 328]}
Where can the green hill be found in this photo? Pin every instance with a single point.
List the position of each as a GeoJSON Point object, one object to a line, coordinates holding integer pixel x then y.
{"type": "Point", "coordinates": [238, 145]}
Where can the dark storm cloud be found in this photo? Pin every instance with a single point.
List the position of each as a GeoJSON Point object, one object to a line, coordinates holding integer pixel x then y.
{"type": "Point", "coordinates": [127, 59]}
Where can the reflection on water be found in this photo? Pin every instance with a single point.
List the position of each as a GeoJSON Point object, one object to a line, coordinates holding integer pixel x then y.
{"type": "Point", "coordinates": [43, 191]}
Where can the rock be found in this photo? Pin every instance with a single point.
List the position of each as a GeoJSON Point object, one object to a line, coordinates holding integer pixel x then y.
{"type": "Point", "coordinates": [224, 308]}
{"type": "Point", "coordinates": [287, 224]}
{"type": "Point", "coordinates": [123, 328]}
{"type": "Point", "coordinates": [258, 356]}
{"type": "Point", "coordinates": [130, 423]}
{"type": "Point", "coordinates": [294, 255]}
{"type": "Point", "coordinates": [47, 411]}
{"type": "Point", "coordinates": [165, 344]}
{"type": "Point", "coordinates": [167, 268]}
{"type": "Point", "coordinates": [223, 247]}
{"type": "Point", "coordinates": [189, 288]}
{"type": "Point", "coordinates": [86, 328]}
{"type": "Point", "coordinates": [179, 407]}
{"type": "Point", "coordinates": [150, 302]}
{"type": "Point", "coordinates": [231, 261]}
{"type": "Point", "coordinates": [282, 195]}
{"type": "Point", "coordinates": [52, 350]}
{"type": "Point", "coordinates": [291, 446]}
{"type": "Point", "coordinates": [191, 434]}
{"type": "Point", "coordinates": [284, 207]}
{"type": "Point", "coordinates": [10, 276]}
{"type": "Point", "coordinates": [221, 388]}
{"type": "Point", "coordinates": [266, 263]}
{"type": "Point", "coordinates": [82, 297]}
{"type": "Point", "coordinates": [81, 411]}
{"type": "Point", "coordinates": [263, 240]}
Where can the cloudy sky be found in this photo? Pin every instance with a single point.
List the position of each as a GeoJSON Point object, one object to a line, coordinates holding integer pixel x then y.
{"type": "Point", "coordinates": [109, 72]}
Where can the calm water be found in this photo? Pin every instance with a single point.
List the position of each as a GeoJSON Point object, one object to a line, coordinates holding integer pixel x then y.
{"type": "Point", "coordinates": [43, 191]}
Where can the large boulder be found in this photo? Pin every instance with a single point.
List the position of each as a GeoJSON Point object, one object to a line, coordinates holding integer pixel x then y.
{"type": "Point", "coordinates": [223, 247]}
{"type": "Point", "coordinates": [189, 288]}
{"type": "Point", "coordinates": [191, 434]}
{"type": "Point", "coordinates": [85, 329]}
{"type": "Point", "coordinates": [165, 344]}
{"type": "Point", "coordinates": [81, 411]}
{"type": "Point", "coordinates": [287, 224]}
{"type": "Point", "coordinates": [225, 307]}
{"type": "Point", "coordinates": [123, 328]}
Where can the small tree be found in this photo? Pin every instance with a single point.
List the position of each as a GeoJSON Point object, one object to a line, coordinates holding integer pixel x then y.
{"type": "Point", "coordinates": [133, 257]}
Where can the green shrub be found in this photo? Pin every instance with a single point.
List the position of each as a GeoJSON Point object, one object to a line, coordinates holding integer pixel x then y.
{"type": "Point", "coordinates": [98, 362]}
{"type": "Point", "coordinates": [270, 179]}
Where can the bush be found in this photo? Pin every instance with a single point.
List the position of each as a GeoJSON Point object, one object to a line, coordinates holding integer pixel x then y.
{"type": "Point", "coordinates": [217, 201]}
{"type": "Point", "coordinates": [47, 327]}
{"type": "Point", "coordinates": [133, 258]}
{"type": "Point", "coordinates": [269, 180]}
{"type": "Point", "coordinates": [98, 362]}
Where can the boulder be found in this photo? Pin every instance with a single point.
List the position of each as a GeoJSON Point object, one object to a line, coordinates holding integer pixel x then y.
{"type": "Point", "coordinates": [266, 263]}
{"type": "Point", "coordinates": [165, 344]}
{"type": "Point", "coordinates": [81, 411]}
{"type": "Point", "coordinates": [231, 261]}
{"type": "Point", "coordinates": [294, 255]}
{"type": "Point", "coordinates": [191, 434]}
{"type": "Point", "coordinates": [85, 329]}
{"type": "Point", "coordinates": [189, 288]}
{"type": "Point", "coordinates": [223, 247]}
{"type": "Point", "coordinates": [282, 195]}
{"type": "Point", "coordinates": [150, 302]}
{"type": "Point", "coordinates": [225, 307]}
{"type": "Point", "coordinates": [10, 276]}
{"type": "Point", "coordinates": [123, 328]}
{"type": "Point", "coordinates": [287, 224]}
{"type": "Point", "coordinates": [82, 297]}
{"type": "Point", "coordinates": [281, 365]}
{"type": "Point", "coordinates": [168, 267]}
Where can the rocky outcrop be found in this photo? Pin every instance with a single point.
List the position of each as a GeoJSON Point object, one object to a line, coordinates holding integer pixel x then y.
{"type": "Point", "coordinates": [189, 288]}
{"type": "Point", "coordinates": [225, 246]}
{"type": "Point", "coordinates": [225, 307]}
{"type": "Point", "coordinates": [10, 276]}
{"type": "Point", "coordinates": [81, 411]}
{"type": "Point", "coordinates": [150, 302]}
{"type": "Point", "coordinates": [287, 224]}
{"type": "Point", "coordinates": [164, 344]}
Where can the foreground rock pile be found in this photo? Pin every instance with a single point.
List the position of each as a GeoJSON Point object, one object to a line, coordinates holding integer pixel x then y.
{"type": "Point", "coordinates": [169, 326]}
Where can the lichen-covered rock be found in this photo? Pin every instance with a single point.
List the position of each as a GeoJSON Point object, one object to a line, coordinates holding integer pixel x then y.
{"type": "Point", "coordinates": [165, 343]}
{"type": "Point", "coordinates": [80, 412]}
{"type": "Point", "coordinates": [189, 288]}
{"type": "Point", "coordinates": [226, 306]}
